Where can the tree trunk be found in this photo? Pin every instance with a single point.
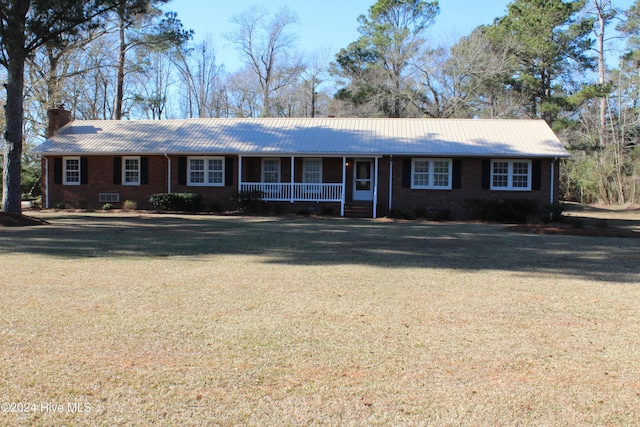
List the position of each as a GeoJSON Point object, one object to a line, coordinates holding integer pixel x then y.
{"type": "Point", "coordinates": [117, 114]}
{"type": "Point", "coordinates": [14, 111]}
{"type": "Point", "coordinates": [11, 184]}
{"type": "Point", "coordinates": [266, 102]}
{"type": "Point", "coordinates": [602, 70]}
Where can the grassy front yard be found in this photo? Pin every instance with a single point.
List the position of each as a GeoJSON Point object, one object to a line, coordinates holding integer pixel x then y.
{"type": "Point", "coordinates": [160, 319]}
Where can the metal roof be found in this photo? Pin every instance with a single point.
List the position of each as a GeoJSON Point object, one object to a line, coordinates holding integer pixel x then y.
{"type": "Point", "coordinates": [307, 136]}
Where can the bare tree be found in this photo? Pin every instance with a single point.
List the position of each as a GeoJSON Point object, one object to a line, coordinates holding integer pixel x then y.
{"type": "Point", "coordinates": [152, 84]}
{"type": "Point", "coordinates": [267, 47]}
{"type": "Point", "coordinates": [202, 80]}
{"type": "Point", "coordinates": [244, 93]}
{"type": "Point", "coordinates": [314, 77]}
{"type": "Point", "coordinates": [466, 80]}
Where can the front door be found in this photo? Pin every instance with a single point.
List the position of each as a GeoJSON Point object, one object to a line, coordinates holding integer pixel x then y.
{"type": "Point", "coordinates": [363, 180]}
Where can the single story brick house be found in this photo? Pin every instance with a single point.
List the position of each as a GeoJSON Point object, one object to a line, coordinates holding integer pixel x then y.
{"type": "Point", "coordinates": [366, 166]}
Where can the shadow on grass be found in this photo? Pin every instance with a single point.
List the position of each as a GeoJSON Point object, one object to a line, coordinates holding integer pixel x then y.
{"type": "Point", "coordinates": [333, 241]}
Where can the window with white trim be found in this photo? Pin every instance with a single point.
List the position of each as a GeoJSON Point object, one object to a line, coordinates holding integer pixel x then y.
{"type": "Point", "coordinates": [71, 171]}
{"type": "Point", "coordinates": [270, 170]}
{"type": "Point", "coordinates": [312, 171]}
{"type": "Point", "coordinates": [432, 174]}
{"type": "Point", "coordinates": [511, 175]}
{"type": "Point", "coordinates": [131, 171]}
{"type": "Point", "coordinates": [206, 171]}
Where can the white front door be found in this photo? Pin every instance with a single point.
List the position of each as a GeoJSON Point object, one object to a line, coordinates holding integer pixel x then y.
{"type": "Point", "coordinates": [363, 180]}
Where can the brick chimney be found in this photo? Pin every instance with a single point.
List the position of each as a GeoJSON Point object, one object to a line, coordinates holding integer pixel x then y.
{"type": "Point", "coordinates": [58, 117]}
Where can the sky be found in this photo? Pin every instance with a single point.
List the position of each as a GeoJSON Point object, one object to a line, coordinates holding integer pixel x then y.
{"type": "Point", "coordinates": [329, 25]}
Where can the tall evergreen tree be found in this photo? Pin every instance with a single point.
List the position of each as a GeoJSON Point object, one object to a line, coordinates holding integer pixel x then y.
{"type": "Point", "coordinates": [547, 38]}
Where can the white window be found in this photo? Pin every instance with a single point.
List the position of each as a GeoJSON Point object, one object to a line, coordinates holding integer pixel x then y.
{"type": "Point", "coordinates": [312, 171]}
{"type": "Point", "coordinates": [71, 171]}
{"type": "Point", "coordinates": [434, 174]}
{"type": "Point", "coordinates": [270, 170]}
{"type": "Point", "coordinates": [206, 171]}
{"type": "Point", "coordinates": [131, 171]}
{"type": "Point", "coordinates": [511, 175]}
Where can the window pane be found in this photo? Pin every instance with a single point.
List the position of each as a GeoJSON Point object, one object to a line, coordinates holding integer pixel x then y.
{"type": "Point", "coordinates": [196, 174]}
{"type": "Point", "coordinates": [421, 166]}
{"type": "Point", "coordinates": [271, 170]}
{"type": "Point", "coordinates": [520, 181]}
{"type": "Point", "coordinates": [500, 180]}
{"type": "Point", "coordinates": [72, 170]}
{"type": "Point", "coordinates": [312, 171]}
{"type": "Point", "coordinates": [500, 174]}
{"type": "Point", "coordinates": [520, 168]}
{"type": "Point", "coordinates": [440, 174]}
{"type": "Point", "coordinates": [501, 168]}
{"type": "Point", "coordinates": [421, 173]}
{"type": "Point", "coordinates": [520, 175]}
{"type": "Point", "coordinates": [215, 175]}
{"type": "Point", "coordinates": [131, 171]}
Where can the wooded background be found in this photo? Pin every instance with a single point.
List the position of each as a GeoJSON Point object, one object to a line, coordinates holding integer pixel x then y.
{"type": "Point", "coordinates": [575, 64]}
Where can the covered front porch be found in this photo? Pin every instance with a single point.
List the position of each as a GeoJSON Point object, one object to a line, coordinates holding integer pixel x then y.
{"type": "Point", "coordinates": [310, 179]}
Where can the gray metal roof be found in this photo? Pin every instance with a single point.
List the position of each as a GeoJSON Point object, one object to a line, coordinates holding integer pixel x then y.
{"type": "Point", "coordinates": [306, 136]}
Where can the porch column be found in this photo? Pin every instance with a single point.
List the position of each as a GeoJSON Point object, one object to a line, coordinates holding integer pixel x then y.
{"type": "Point", "coordinates": [375, 189]}
{"type": "Point", "coordinates": [344, 185]}
{"type": "Point", "coordinates": [390, 183]}
{"type": "Point", "coordinates": [293, 170]}
{"type": "Point", "coordinates": [239, 173]}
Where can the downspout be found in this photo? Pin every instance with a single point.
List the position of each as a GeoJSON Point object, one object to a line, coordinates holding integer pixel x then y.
{"type": "Point", "coordinates": [390, 183]}
{"type": "Point", "coordinates": [168, 173]}
{"type": "Point", "coordinates": [239, 176]}
{"type": "Point", "coordinates": [344, 185]}
{"type": "Point", "coordinates": [552, 187]}
{"type": "Point", "coordinates": [375, 191]}
{"type": "Point", "coordinates": [46, 181]}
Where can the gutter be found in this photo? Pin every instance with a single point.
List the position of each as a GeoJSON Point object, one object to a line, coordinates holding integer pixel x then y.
{"type": "Point", "coordinates": [46, 181]}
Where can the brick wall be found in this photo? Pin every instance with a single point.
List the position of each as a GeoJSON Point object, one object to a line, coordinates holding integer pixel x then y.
{"type": "Point", "coordinates": [471, 188]}
{"type": "Point", "coordinates": [100, 180]}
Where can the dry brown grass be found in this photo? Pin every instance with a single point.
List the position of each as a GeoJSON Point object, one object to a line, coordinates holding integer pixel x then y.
{"type": "Point", "coordinates": [201, 320]}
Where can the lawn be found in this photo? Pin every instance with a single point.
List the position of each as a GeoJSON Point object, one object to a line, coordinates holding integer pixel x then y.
{"type": "Point", "coordinates": [137, 319]}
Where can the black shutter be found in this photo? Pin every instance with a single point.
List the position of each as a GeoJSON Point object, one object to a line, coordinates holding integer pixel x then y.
{"type": "Point", "coordinates": [536, 175]}
{"type": "Point", "coordinates": [406, 173]}
{"type": "Point", "coordinates": [84, 170]}
{"type": "Point", "coordinates": [228, 171]}
{"type": "Point", "coordinates": [57, 170]}
{"type": "Point", "coordinates": [144, 170]}
{"type": "Point", "coordinates": [182, 170]}
{"type": "Point", "coordinates": [117, 170]}
{"type": "Point", "coordinates": [486, 174]}
{"type": "Point", "coordinates": [457, 174]}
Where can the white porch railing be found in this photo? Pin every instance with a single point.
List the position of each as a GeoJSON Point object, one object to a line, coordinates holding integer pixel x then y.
{"type": "Point", "coordinates": [296, 192]}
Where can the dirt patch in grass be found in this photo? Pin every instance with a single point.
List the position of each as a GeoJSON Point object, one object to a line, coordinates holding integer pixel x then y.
{"type": "Point", "coordinates": [590, 221]}
{"type": "Point", "coordinates": [17, 220]}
